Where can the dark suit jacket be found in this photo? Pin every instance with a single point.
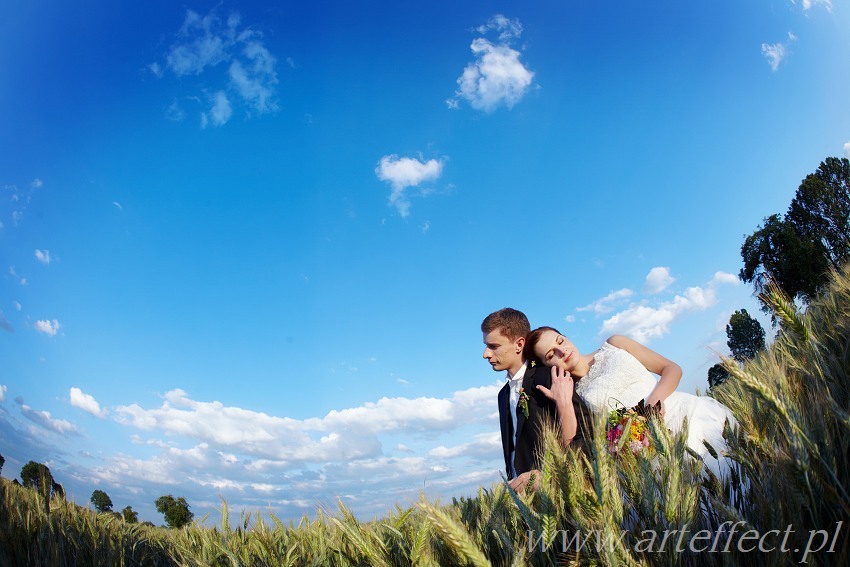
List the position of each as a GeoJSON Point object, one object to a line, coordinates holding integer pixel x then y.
{"type": "Point", "coordinates": [528, 438]}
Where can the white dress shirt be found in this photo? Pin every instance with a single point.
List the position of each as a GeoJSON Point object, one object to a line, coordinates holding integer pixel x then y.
{"type": "Point", "coordinates": [515, 383]}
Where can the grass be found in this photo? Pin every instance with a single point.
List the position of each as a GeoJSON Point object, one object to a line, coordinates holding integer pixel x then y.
{"type": "Point", "coordinates": [791, 480]}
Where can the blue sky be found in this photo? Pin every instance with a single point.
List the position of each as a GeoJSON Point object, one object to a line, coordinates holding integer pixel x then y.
{"type": "Point", "coordinates": [246, 250]}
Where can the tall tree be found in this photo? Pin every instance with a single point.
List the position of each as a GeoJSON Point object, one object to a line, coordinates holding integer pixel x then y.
{"type": "Point", "coordinates": [797, 251]}
{"type": "Point", "coordinates": [821, 208]}
{"type": "Point", "coordinates": [101, 501]}
{"type": "Point", "coordinates": [175, 510]}
{"type": "Point", "coordinates": [745, 336]}
{"type": "Point", "coordinates": [130, 516]}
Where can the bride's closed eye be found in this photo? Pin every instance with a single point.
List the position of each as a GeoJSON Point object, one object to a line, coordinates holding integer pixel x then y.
{"type": "Point", "coordinates": [559, 340]}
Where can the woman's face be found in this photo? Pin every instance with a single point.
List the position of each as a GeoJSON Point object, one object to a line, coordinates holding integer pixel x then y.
{"type": "Point", "coordinates": [556, 350]}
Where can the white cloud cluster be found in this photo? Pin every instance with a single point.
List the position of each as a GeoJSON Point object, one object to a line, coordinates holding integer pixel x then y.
{"type": "Point", "coordinates": [253, 458]}
{"type": "Point", "coordinates": [775, 53]}
{"type": "Point", "coordinates": [86, 402]}
{"type": "Point", "coordinates": [42, 256]}
{"type": "Point", "coordinates": [644, 322]}
{"type": "Point", "coordinates": [2, 393]}
{"type": "Point", "coordinates": [496, 77]}
{"type": "Point", "coordinates": [847, 150]}
{"type": "Point", "coordinates": [49, 328]}
{"type": "Point", "coordinates": [404, 173]}
{"type": "Point", "coordinates": [203, 44]}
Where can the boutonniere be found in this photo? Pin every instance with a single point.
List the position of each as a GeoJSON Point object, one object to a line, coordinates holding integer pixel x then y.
{"type": "Point", "coordinates": [533, 363]}
{"type": "Point", "coordinates": [523, 402]}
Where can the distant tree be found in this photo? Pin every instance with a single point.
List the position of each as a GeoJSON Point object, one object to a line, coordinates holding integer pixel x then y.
{"type": "Point", "coordinates": [798, 251]}
{"type": "Point", "coordinates": [176, 511]}
{"type": "Point", "coordinates": [745, 336]}
{"type": "Point", "coordinates": [37, 476]}
{"type": "Point", "coordinates": [58, 490]}
{"type": "Point", "coordinates": [2, 462]}
{"type": "Point", "coordinates": [717, 375]}
{"type": "Point", "coordinates": [129, 515]}
{"type": "Point", "coordinates": [101, 501]}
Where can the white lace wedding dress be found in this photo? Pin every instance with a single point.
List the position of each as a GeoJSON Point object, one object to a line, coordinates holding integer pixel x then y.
{"type": "Point", "coordinates": [616, 378]}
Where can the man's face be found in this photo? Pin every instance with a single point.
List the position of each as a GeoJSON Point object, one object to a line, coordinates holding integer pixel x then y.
{"type": "Point", "coordinates": [501, 352]}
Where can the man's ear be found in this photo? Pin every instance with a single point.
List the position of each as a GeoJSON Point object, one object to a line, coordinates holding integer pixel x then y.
{"type": "Point", "coordinates": [520, 344]}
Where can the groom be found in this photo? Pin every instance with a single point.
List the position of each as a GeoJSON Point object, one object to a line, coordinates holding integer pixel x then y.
{"type": "Point", "coordinates": [523, 407]}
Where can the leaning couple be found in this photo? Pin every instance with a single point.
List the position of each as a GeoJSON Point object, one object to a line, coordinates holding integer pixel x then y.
{"type": "Point", "coordinates": [549, 381]}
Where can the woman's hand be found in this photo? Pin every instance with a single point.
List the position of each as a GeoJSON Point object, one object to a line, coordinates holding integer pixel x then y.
{"type": "Point", "coordinates": [561, 391]}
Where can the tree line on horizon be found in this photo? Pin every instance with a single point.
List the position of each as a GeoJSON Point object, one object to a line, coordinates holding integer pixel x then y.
{"type": "Point", "coordinates": [37, 476]}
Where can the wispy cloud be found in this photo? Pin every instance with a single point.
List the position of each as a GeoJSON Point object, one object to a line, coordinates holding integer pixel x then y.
{"type": "Point", "coordinates": [2, 393]}
{"type": "Point", "coordinates": [609, 302]}
{"type": "Point", "coordinates": [404, 173]}
{"type": "Point", "coordinates": [233, 62]}
{"type": "Point", "coordinates": [86, 403]}
{"type": "Point", "coordinates": [657, 280]}
{"type": "Point", "coordinates": [496, 77]}
{"type": "Point", "coordinates": [847, 150]}
{"type": "Point", "coordinates": [42, 256]}
{"type": "Point", "coordinates": [49, 328]}
{"type": "Point", "coordinates": [775, 53]}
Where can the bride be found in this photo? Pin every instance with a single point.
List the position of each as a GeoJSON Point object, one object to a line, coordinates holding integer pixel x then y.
{"type": "Point", "coordinates": [620, 373]}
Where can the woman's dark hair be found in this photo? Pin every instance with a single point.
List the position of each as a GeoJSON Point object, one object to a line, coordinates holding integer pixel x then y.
{"type": "Point", "coordinates": [531, 340]}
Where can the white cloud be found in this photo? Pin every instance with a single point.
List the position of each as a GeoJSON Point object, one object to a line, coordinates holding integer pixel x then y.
{"type": "Point", "coordinates": [508, 29]}
{"type": "Point", "coordinates": [609, 302]}
{"type": "Point", "coordinates": [17, 305]}
{"type": "Point", "coordinates": [807, 4]}
{"type": "Point", "coordinates": [643, 323]}
{"type": "Point", "coordinates": [86, 403]}
{"type": "Point", "coordinates": [219, 113]}
{"type": "Point", "coordinates": [775, 53]}
{"type": "Point", "coordinates": [255, 80]}
{"type": "Point", "coordinates": [47, 327]}
{"type": "Point", "coordinates": [2, 393]}
{"type": "Point", "coordinates": [644, 319]}
{"type": "Point", "coordinates": [36, 183]}
{"type": "Point", "coordinates": [495, 78]}
{"type": "Point", "coordinates": [118, 206]}
{"type": "Point", "coordinates": [570, 318]}
{"type": "Point", "coordinates": [483, 445]}
{"type": "Point", "coordinates": [658, 280]}
{"type": "Point", "coordinates": [402, 173]}
{"type": "Point", "coordinates": [847, 150]}
{"type": "Point", "coordinates": [42, 256]}
{"type": "Point", "coordinates": [231, 60]}
{"type": "Point", "coordinates": [340, 435]}
{"type": "Point", "coordinates": [45, 420]}
{"type": "Point", "coordinates": [725, 278]}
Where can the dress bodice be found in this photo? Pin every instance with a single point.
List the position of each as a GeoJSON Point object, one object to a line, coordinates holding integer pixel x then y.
{"type": "Point", "coordinates": [615, 379]}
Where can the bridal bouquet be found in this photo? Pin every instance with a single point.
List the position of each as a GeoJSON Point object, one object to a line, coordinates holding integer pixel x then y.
{"type": "Point", "coordinates": [627, 427]}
